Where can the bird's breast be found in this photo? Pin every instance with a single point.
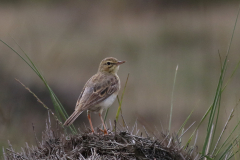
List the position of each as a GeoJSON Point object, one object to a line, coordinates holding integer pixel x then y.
{"type": "Point", "coordinates": [104, 104]}
{"type": "Point", "coordinates": [107, 102]}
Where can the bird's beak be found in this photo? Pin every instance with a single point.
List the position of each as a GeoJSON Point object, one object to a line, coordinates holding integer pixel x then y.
{"type": "Point", "coordinates": [120, 62]}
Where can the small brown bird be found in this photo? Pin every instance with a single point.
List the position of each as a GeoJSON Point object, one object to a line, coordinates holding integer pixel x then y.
{"type": "Point", "coordinates": [99, 92]}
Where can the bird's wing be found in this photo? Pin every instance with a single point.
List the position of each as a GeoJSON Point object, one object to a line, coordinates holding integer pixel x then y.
{"type": "Point", "coordinates": [97, 92]}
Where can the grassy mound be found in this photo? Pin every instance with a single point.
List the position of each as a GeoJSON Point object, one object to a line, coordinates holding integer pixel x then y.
{"type": "Point", "coordinates": [120, 144]}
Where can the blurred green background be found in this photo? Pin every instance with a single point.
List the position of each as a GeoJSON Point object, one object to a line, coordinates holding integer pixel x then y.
{"type": "Point", "coordinates": [67, 41]}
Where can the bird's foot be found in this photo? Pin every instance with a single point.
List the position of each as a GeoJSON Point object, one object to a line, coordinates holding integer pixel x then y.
{"type": "Point", "coordinates": [104, 131]}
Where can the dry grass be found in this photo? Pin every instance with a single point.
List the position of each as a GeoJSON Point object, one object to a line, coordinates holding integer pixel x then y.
{"type": "Point", "coordinates": [122, 144]}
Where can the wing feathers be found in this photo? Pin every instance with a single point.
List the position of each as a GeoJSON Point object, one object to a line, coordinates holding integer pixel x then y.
{"type": "Point", "coordinates": [97, 89]}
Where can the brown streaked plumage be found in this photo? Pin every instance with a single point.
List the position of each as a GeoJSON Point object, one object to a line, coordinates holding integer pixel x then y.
{"type": "Point", "coordinates": [99, 92]}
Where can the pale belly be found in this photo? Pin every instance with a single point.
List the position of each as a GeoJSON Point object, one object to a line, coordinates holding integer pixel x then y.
{"type": "Point", "coordinates": [104, 104]}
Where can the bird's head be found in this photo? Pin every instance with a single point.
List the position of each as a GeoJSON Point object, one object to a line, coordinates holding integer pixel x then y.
{"type": "Point", "coordinates": [109, 65]}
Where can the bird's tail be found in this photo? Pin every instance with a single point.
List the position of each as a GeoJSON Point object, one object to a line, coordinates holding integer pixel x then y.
{"type": "Point", "coordinates": [72, 118]}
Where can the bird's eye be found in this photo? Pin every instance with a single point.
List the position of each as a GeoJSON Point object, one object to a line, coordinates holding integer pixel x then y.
{"type": "Point", "coordinates": [108, 63]}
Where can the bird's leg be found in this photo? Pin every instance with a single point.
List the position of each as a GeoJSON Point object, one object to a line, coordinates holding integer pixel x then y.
{"type": "Point", "coordinates": [105, 130]}
{"type": "Point", "coordinates": [90, 121]}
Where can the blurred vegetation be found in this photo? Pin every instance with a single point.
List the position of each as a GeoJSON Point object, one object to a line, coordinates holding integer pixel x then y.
{"type": "Point", "coordinates": [127, 2]}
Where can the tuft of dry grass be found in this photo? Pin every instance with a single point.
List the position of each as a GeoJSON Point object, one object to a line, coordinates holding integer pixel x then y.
{"type": "Point", "coordinates": [120, 144]}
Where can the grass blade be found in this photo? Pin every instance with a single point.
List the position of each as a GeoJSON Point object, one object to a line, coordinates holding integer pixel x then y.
{"type": "Point", "coordinates": [216, 103]}
{"type": "Point", "coordinates": [56, 118]}
{"type": "Point", "coordinates": [203, 118]}
{"type": "Point", "coordinates": [120, 102]}
{"type": "Point", "coordinates": [59, 109]}
{"type": "Point", "coordinates": [233, 73]}
{"type": "Point", "coordinates": [184, 123]}
{"type": "Point", "coordinates": [171, 110]}
{"type": "Point", "coordinates": [227, 140]}
{"type": "Point", "coordinates": [225, 127]}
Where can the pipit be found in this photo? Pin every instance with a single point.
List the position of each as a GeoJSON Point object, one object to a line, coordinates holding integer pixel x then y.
{"type": "Point", "coordinates": [99, 92]}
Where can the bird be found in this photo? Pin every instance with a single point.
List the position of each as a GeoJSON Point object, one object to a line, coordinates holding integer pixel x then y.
{"type": "Point", "coordinates": [99, 92]}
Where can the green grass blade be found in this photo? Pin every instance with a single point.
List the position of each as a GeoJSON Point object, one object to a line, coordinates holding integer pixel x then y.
{"type": "Point", "coordinates": [213, 109]}
{"type": "Point", "coordinates": [233, 73]}
{"type": "Point", "coordinates": [216, 103]}
{"type": "Point", "coordinates": [234, 154]}
{"type": "Point", "coordinates": [59, 109]}
{"type": "Point", "coordinates": [223, 130]}
{"type": "Point", "coordinates": [184, 123]}
{"type": "Point", "coordinates": [225, 142]}
{"type": "Point", "coordinates": [18, 55]}
{"type": "Point", "coordinates": [120, 104]}
{"type": "Point", "coordinates": [203, 118]}
{"type": "Point", "coordinates": [226, 151]}
{"type": "Point", "coordinates": [171, 110]}
{"type": "Point", "coordinates": [217, 115]}
{"type": "Point", "coordinates": [56, 104]}
{"type": "Point", "coordinates": [124, 123]}
{"type": "Point", "coordinates": [235, 24]}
